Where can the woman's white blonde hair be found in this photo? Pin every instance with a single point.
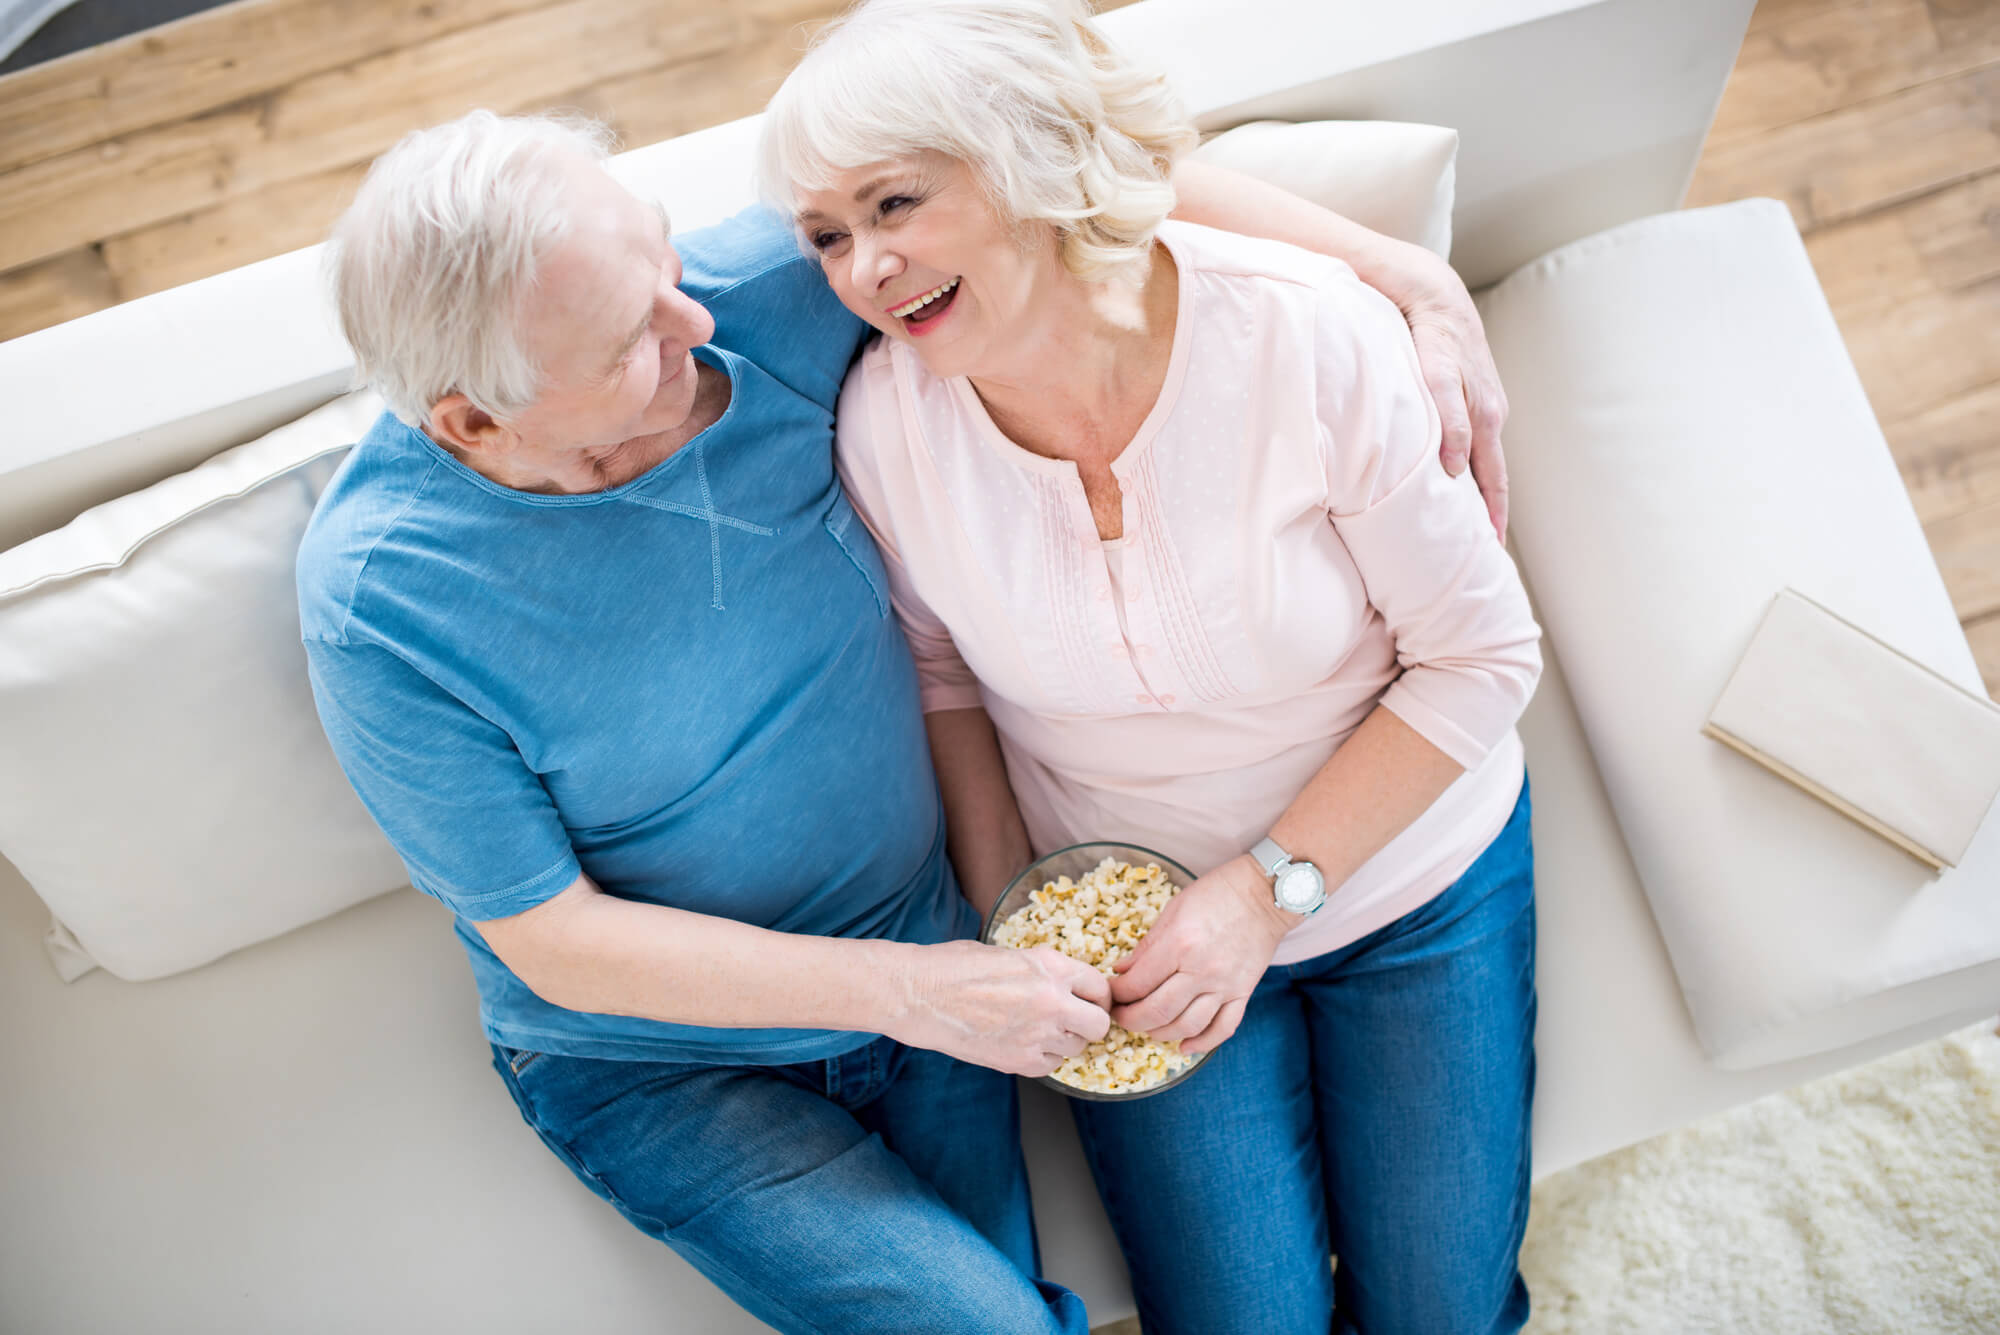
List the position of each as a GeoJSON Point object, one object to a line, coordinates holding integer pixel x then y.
{"type": "Point", "coordinates": [429, 264]}
{"type": "Point", "coordinates": [1058, 126]}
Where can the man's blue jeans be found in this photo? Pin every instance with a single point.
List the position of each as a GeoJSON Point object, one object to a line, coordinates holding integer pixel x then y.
{"type": "Point", "coordinates": [1373, 1104]}
{"type": "Point", "coordinates": [880, 1190]}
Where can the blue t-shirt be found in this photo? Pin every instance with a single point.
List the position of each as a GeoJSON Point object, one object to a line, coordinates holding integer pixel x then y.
{"type": "Point", "coordinates": [690, 686]}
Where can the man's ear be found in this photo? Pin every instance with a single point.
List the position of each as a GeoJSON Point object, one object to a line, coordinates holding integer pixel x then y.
{"type": "Point", "coordinates": [459, 426]}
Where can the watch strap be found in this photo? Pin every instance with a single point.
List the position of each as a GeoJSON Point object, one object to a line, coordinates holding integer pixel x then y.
{"type": "Point", "coordinates": [1269, 857]}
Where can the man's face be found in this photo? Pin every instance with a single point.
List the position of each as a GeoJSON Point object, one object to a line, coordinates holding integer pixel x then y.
{"type": "Point", "coordinates": [608, 325]}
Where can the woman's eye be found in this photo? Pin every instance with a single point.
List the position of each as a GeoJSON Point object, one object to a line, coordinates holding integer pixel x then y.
{"type": "Point", "coordinates": [825, 241]}
{"type": "Point", "coordinates": [890, 203]}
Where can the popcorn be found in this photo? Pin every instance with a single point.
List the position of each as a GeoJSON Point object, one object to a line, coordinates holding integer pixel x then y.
{"type": "Point", "coordinates": [1099, 920]}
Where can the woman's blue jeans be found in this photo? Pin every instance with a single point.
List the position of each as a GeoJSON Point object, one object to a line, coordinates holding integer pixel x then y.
{"type": "Point", "coordinates": [1373, 1105]}
{"type": "Point", "coordinates": [880, 1190]}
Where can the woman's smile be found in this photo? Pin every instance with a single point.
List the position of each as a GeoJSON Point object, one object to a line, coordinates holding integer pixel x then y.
{"type": "Point", "coordinates": [921, 313]}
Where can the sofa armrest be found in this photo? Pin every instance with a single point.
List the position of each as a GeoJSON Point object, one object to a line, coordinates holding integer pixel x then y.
{"type": "Point", "coordinates": [1688, 438]}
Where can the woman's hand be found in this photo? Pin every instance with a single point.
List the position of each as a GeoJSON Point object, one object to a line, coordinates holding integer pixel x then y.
{"type": "Point", "coordinates": [1018, 1011]}
{"type": "Point", "coordinates": [1458, 369]}
{"type": "Point", "coordinates": [1193, 973]}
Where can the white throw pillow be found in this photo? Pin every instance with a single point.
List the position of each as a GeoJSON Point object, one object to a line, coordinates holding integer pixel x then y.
{"type": "Point", "coordinates": [164, 784]}
{"type": "Point", "coordinates": [1397, 178]}
{"type": "Point", "coordinates": [1687, 438]}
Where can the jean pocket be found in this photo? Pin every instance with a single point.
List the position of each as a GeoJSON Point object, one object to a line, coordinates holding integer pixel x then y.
{"type": "Point", "coordinates": [847, 531]}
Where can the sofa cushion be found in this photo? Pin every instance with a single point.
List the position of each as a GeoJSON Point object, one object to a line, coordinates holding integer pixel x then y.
{"type": "Point", "coordinates": [1688, 437]}
{"type": "Point", "coordinates": [164, 785]}
{"type": "Point", "coordinates": [1395, 177]}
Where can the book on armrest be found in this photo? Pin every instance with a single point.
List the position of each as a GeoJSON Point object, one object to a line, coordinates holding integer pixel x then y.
{"type": "Point", "coordinates": [1869, 731]}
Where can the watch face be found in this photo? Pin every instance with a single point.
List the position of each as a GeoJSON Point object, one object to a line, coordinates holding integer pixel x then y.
{"type": "Point", "coordinates": [1299, 887]}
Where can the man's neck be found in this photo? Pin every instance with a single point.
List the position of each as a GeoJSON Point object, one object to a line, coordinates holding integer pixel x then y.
{"type": "Point", "coordinates": [579, 472]}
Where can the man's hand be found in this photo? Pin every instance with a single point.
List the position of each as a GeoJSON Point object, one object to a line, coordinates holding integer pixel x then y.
{"type": "Point", "coordinates": [1192, 975]}
{"type": "Point", "coordinates": [1458, 369]}
{"type": "Point", "coordinates": [1018, 1011]}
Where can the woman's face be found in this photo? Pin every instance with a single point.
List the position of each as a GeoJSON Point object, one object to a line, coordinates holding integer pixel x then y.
{"type": "Point", "coordinates": [913, 246]}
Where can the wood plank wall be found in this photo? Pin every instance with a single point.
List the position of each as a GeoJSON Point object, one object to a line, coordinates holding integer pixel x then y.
{"type": "Point", "coordinates": [240, 133]}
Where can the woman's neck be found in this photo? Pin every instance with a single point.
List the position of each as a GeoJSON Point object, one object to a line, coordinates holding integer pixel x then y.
{"type": "Point", "coordinates": [1090, 365]}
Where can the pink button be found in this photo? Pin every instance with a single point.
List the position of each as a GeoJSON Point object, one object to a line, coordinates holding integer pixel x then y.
{"type": "Point", "coordinates": [1104, 593]}
{"type": "Point", "coordinates": [1166, 700]}
{"type": "Point", "coordinates": [1131, 593]}
{"type": "Point", "coordinates": [1142, 699]}
{"type": "Point", "coordinates": [1117, 647]}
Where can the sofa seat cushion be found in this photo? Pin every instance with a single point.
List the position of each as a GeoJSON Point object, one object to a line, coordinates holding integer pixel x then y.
{"type": "Point", "coordinates": [164, 785]}
{"type": "Point", "coordinates": [1688, 437]}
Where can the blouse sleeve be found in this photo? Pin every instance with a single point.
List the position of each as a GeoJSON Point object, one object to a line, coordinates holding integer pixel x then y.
{"type": "Point", "coordinates": [869, 441]}
{"type": "Point", "coordinates": [1453, 602]}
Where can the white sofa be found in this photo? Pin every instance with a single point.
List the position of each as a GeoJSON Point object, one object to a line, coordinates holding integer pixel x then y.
{"type": "Point", "coordinates": [305, 1135]}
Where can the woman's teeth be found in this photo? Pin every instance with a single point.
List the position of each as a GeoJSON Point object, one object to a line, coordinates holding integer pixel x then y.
{"type": "Point", "coordinates": [911, 307]}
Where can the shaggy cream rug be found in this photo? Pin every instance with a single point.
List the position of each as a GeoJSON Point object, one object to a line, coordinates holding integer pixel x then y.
{"type": "Point", "coordinates": [1866, 1203]}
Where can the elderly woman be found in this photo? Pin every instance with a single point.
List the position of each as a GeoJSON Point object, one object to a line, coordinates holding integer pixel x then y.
{"type": "Point", "coordinates": [1161, 503]}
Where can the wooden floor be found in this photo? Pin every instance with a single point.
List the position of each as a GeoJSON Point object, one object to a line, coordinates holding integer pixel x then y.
{"type": "Point", "coordinates": [1878, 122]}
{"type": "Point", "coordinates": [240, 132]}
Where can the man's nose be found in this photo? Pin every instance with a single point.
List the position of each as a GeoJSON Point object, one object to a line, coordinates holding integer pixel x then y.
{"type": "Point", "coordinates": [687, 320]}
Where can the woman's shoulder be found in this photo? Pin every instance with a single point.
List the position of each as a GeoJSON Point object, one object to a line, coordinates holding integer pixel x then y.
{"type": "Point", "coordinates": [1276, 285]}
{"type": "Point", "coordinates": [891, 404]}
{"type": "Point", "coordinates": [1232, 258]}
{"type": "Point", "coordinates": [866, 396]}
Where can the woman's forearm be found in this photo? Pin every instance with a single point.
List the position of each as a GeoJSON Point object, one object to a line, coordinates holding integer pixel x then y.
{"type": "Point", "coordinates": [1374, 787]}
{"type": "Point", "coordinates": [984, 834]}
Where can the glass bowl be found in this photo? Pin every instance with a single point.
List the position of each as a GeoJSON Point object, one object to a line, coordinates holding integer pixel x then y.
{"type": "Point", "coordinates": [1074, 862]}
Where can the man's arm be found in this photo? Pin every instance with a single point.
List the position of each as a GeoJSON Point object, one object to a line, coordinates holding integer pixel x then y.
{"type": "Point", "coordinates": [1451, 342]}
{"type": "Point", "coordinates": [1018, 1011]}
{"type": "Point", "coordinates": [478, 830]}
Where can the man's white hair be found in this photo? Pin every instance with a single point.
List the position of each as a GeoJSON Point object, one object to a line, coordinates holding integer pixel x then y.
{"type": "Point", "coordinates": [1056, 124]}
{"type": "Point", "coordinates": [429, 264]}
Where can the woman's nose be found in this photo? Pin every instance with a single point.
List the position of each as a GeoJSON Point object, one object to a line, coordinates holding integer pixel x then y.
{"type": "Point", "coordinates": [874, 262]}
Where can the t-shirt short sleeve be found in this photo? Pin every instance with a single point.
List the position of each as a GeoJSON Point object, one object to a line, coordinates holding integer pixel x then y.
{"type": "Point", "coordinates": [471, 821]}
{"type": "Point", "coordinates": [771, 303]}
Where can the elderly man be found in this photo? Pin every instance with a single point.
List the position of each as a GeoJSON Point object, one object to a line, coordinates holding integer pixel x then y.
{"type": "Point", "coordinates": [603, 648]}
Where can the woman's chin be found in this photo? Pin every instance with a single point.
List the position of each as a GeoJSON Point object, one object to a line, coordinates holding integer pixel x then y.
{"type": "Point", "coordinates": [941, 357]}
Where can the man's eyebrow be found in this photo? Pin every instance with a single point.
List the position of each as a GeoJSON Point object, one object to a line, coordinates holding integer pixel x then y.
{"type": "Point", "coordinates": [632, 340]}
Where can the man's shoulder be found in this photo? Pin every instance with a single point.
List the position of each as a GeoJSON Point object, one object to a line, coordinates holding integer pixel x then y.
{"type": "Point", "coordinates": [771, 304]}
{"type": "Point", "coordinates": [755, 246]}
{"type": "Point", "coordinates": [374, 489]}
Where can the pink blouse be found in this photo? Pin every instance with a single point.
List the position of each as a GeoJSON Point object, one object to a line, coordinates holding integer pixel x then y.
{"type": "Point", "coordinates": [1293, 555]}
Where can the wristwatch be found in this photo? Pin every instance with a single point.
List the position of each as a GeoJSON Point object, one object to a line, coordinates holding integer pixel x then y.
{"type": "Point", "coordinates": [1296, 887]}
